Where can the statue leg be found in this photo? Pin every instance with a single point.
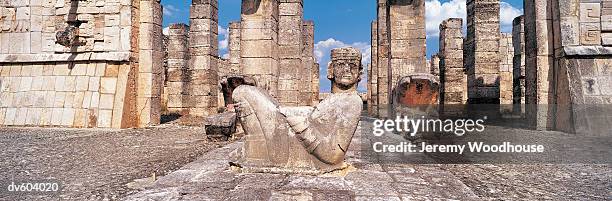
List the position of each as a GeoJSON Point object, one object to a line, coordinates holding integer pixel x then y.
{"type": "Point", "coordinates": [260, 118]}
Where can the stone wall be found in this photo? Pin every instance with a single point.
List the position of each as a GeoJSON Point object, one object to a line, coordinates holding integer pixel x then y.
{"type": "Point", "coordinates": [106, 74]}
{"type": "Point", "coordinates": [453, 81]}
{"type": "Point", "coordinates": [177, 77]}
{"type": "Point", "coordinates": [203, 63]}
{"type": "Point", "coordinates": [482, 51]}
{"type": "Point", "coordinates": [506, 54]}
{"type": "Point", "coordinates": [582, 68]}
{"type": "Point", "coordinates": [518, 64]}
{"type": "Point", "coordinates": [383, 60]}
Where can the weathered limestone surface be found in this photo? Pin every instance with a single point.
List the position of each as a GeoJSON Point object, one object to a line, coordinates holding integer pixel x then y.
{"type": "Point", "coordinates": [406, 21]}
{"type": "Point", "coordinates": [453, 81]}
{"type": "Point", "coordinates": [434, 65]}
{"type": "Point", "coordinates": [234, 48]}
{"type": "Point", "coordinates": [373, 73]}
{"type": "Point", "coordinates": [108, 74]}
{"type": "Point", "coordinates": [290, 51]}
{"type": "Point", "coordinates": [518, 64]}
{"type": "Point", "coordinates": [259, 43]}
{"type": "Point", "coordinates": [583, 81]}
{"type": "Point", "coordinates": [178, 77]}
{"type": "Point", "coordinates": [482, 51]}
{"type": "Point", "coordinates": [506, 53]}
{"type": "Point", "coordinates": [301, 139]}
{"type": "Point", "coordinates": [383, 60]}
{"type": "Point", "coordinates": [203, 62]}
{"type": "Point", "coordinates": [539, 60]}
{"type": "Point", "coordinates": [309, 87]}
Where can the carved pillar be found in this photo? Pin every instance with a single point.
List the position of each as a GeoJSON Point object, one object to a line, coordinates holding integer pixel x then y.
{"type": "Point", "coordinates": [203, 46]}
{"type": "Point", "coordinates": [383, 63]}
{"type": "Point", "coordinates": [482, 51]}
{"type": "Point", "coordinates": [406, 21]}
{"type": "Point", "coordinates": [259, 43]}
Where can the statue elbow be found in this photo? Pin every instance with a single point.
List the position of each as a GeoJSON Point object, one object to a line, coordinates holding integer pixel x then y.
{"type": "Point", "coordinates": [332, 157]}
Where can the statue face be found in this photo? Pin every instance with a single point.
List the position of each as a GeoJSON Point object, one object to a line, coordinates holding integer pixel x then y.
{"type": "Point", "coordinates": [346, 73]}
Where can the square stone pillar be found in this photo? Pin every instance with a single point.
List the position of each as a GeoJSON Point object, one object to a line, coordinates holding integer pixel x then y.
{"type": "Point", "coordinates": [150, 64]}
{"type": "Point", "coordinates": [506, 53]}
{"type": "Point", "coordinates": [453, 89]}
{"type": "Point", "coordinates": [259, 43]}
{"type": "Point", "coordinates": [434, 65]}
{"type": "Point", "coordinates": [518, 64]}
{"type": "Point", "coordinates": [373, 72]}
{"type": "Point", "coordinates": [203, 63]}
{"type": "Point", "coordinates": [309, 93]}
{"type": "Point", "coordinates": [406, 21]}
{"type": "Point", "coordinates": [482, 51]}
{"type": "Point", "coordinates": [234, 48]}
{"type": "Point", "coordinates": [177, 79]}
{"type": "Point", "coordinates": [384, 60]}
{"type": "Point", "coordinates": [539, 59]}
{"type": "Point", "coordinates": [291, 88]}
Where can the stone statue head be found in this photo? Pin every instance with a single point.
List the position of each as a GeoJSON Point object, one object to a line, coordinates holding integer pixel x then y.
{"type": "Point", "coordinates": [344, 69]}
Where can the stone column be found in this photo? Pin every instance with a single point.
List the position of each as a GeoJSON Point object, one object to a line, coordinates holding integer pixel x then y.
{"type": "Point", "coordinates": [434, 65]}
{"type": "Point", "coordinates": [178, 65]}
{"type": "Point", "coordinates": [453, 89]}
{"type": "Point", "coordinates": [606, 22]}
{"type": "Point", "coordinates": [482, 51]}
{"type": "Point", "coordinates": [234, 48]}
{"type": "Point", "coordinates": [150, 64]}
{"type": "Point", "coordinates": [518, 63]}
{"type": "Point", "coordinates": [259, 43]}
{"type": "Point", "coordinates": [384, 62]}
{"type": "Point", "coordinates": [203, 63]}
{"type": "Point", "coordinates": [538, 61]}
{"type": "Point", "coordinates": [291, 90]}
{"type": "Point", "coordinates": [506, 53]}
{"type": "Point", "coordinates": [373, 76]}
{"type": "Point", "coordinates": [310, 75]}
{"type": "Point", "coordinates": [406, 20]}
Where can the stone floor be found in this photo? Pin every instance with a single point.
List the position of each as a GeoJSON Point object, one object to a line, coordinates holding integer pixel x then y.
{"type": "Point", "coordinates": [211, 178]}
{"type": "Point", "coordinates": [95, 164]}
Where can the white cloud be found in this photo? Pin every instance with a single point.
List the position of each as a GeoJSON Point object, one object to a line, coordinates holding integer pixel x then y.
{"type": "Point", "coordinates": [436, 12]}
{"type": "Point", "coordinates": [322, 53]}
{"type": "Point", "coordinates": [169, 10]}
{"type": "Point", "coordinates": [223, 38]}
{"type": "Point", "coordinates": [166, 30]}
{"type": "Point", "coordinates": [507, 13]}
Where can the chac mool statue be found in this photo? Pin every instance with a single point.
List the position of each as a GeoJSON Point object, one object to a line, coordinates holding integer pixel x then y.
{"type": "Point", "coordinates": [310, 140]}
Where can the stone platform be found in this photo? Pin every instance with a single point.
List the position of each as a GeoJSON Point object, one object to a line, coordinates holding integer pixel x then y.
{"type": "Point", "coordinates": [211, 178]}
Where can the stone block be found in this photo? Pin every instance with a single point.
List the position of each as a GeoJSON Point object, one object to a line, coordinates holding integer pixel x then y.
{"type": "Point", "coordinates": [107, 101]}
{"type": "Point", "coordinates": [590, 12]}
{"type": "Point", "coordinates": [220, 126]}
{"type": "Point", "coordinates": [590, 34]}
{"type": "Point", "coordinates": [104, 118]}
{"type": "Point", "coordinates": [108, 85]}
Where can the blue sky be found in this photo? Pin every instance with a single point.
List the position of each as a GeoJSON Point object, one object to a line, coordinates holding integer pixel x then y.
{"type": "Point", "coordinates": [343, 23]}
